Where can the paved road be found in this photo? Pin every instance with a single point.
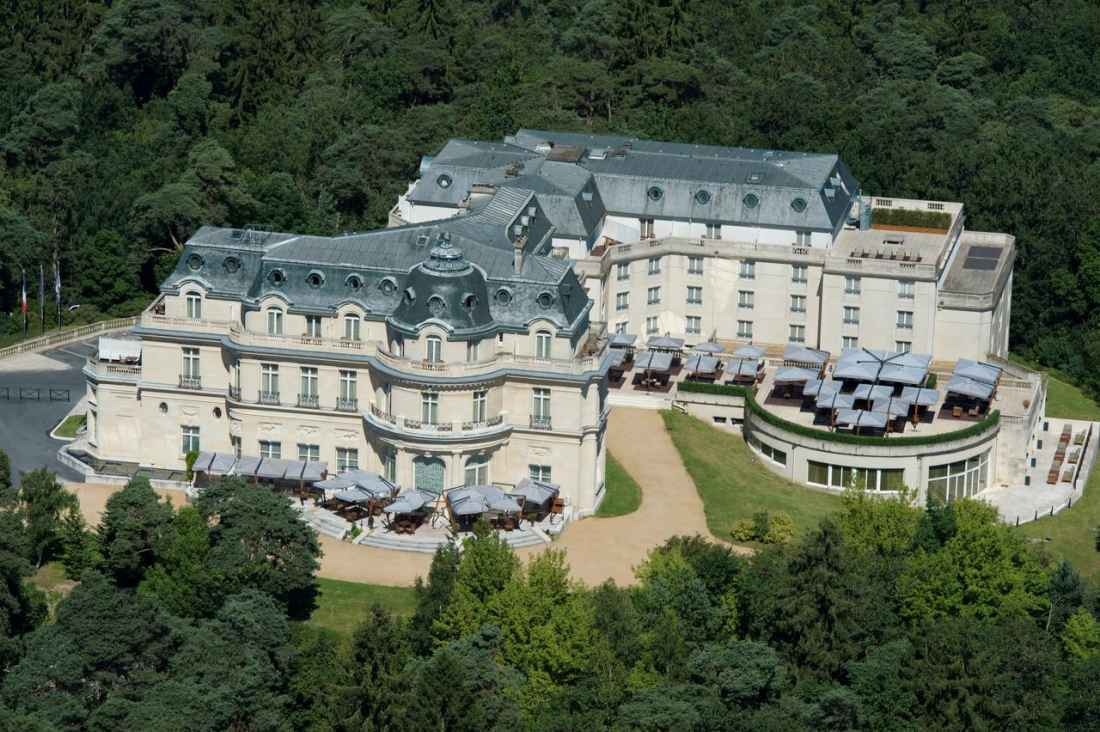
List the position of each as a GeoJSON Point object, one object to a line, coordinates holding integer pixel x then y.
{"type": "Point", "coordinates": [25, 424]}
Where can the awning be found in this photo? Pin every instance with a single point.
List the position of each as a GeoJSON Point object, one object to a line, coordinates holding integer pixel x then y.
{"type": "Point", "coordinates": [856, 418]}
{"type": "Point", "coordinates": [410, 501]}
{"type": "Point", "coordinates": [743, 367]}
{"type": "Point", "coordinates": [314, 471]}
{"type": "Point", "coordinates": [372, 483]}
{"type": "Point", "coordinates": [700, 364]}
{"type": "Point", "coordinates": [119, 349]}
{"type": "Point", "coordinates": [202, 462]}
{"type": "Point", "coordinates": [667, 343]}
{"type": "Point", "coordinates": [969, 387]}
{"type": "Point", "coordinates": [653, 361]}
{"type": "Point", "coordinates": [817, 387]}
{"type": "Point", "coordinates": [622, 340]}
{"type": "Point", "coordinates": [835, 400]}
{"type": "Point", "coordinates": [710, 347]}
{"type": "Point", "coordinates": [354, 495]}
{"type": "Point", "coordinates": [795, 374]}
{"type": "Point", "coordinates": [893, 407]}
{"type": "Point", "coordinates": [222, 464]}
{"type": "Point", "coordinates": [852, 370]}
{"type": "Point", "coordinates": [977, 370]}
{"type": "Point", "coordinates": [294, 469]}
{"type": "Point", "coordinates": [920, 397]}
{"type": "Point", "coordinates": [537, 491]}
{"type": "Point", "coordinates": [272, 468]}
{"type": "Point", "coordinates": [247, 466]}
{"type": "Point", "coordinates": [334, 483]}
{"type": "Point", "coordinates": [876, 391]}
{"type": "Point", "coordinates": [749, 352]}
{"type": "Point", "coordinates": [473, 500]}
{"type": "Point", "coordinates": [615, 358]}
{"type": "Point", "coordinates": [795, 353]}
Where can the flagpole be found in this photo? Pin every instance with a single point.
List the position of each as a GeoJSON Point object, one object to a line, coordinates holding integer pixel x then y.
{"type": "Point", "coordinates": [42, 296]}
{"type": "Point", "coordinates": [57, 286]}
{"type": "Point", "coordinates": [23, 302]}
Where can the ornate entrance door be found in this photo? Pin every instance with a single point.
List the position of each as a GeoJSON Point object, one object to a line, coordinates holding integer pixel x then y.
{"type": "Point", "coordinates": [428, 474]}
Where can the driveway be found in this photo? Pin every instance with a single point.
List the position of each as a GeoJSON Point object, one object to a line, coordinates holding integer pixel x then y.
{"type": "Point", "coordinates": [25, 424]}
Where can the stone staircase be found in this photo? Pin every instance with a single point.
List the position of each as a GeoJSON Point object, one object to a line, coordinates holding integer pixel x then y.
{"type": "Point", "coordinates": [327, 523]}
{"type": "Point", "coordinates": [428, 543]}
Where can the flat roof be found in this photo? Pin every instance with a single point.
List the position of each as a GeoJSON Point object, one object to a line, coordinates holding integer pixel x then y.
{"type": "Point", "coordinates": [982, 261]}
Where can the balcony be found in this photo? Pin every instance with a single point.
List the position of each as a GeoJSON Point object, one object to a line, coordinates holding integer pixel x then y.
{"type": "Point", "coordinates": [311, 340]}
{"type": "Point", "coordinates": [235, 393]}
{"type": "Point", "coordinates": [347, 405]}
{"type": "Point", "coordinates": [499, 360]}
{"type": "Point", "coordinates": [541, 423]}
{"type": "Point", "coordinates": [309, 401]}
{"type": "Point", "coordinates": [190, 382]}
{"type": "Point", "coordinates": [269, 397]}
{"type": "Point", "coordinates": [408, 426]}
{"type": "Point", "coordinates": [105, 371]}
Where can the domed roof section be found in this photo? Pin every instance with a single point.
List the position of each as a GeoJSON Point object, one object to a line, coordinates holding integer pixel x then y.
{"type": "Point", "coordinates": [445, 289]}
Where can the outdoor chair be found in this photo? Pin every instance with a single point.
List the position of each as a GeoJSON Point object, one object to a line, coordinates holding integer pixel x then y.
{"type": "Point", "coordinates": [557, 510]}
{"type": "Point", "coordinates": [957, 412]}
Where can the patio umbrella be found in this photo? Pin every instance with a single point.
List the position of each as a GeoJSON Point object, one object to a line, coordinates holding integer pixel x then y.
{"type": "Point", "coordinates": [749, 352]}
{"type": "Point", "coordinates": [666, 343]}
{"type": "Point", "coordinates": [710, 347]}
{"type": "Point", "coordinates": [314, 471]}
{"type": "Point", "coordinates": [410, 501]}
{"type": "Point", "coordinates": [622, 340]}
{"type": "Point", "coordinates": [372, 483]}
{"type": "Point", "coordinates": [699, 364]}
{"type": "Point", "coordinates": [536, 491]}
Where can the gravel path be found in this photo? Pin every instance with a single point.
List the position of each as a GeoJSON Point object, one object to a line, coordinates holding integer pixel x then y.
{"type": "Point", "coordinates": [597, 548]}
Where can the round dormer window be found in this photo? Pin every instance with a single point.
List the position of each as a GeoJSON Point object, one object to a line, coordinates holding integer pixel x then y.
{"type": "Point", "coordinates": [470, 302]}
{"type": "Point", "coordinates": [388, 286]}
{"type": "Point", "coordinates": [444, 181]}
{"type": "Point", "coordinates": [194, 262]}
{"type": "Point", "coordinates": [545, 300]}
{"type": "Point", "coordinates": [799, 205]}
{"type": "Point", "coordinates": [702, 197]}
{"type": "Point", "coordinates": [354, 281]}
{"type": "Point", "coordinates": [504, 297]}
{"type": "Point", "coordinates": [315, 279]}
{"type": "Point", "coordinates": [751, 200]}
{"type": "Point", "coordinates": [436, 306]}
{"type": "Point", "coordinates": [277, 277]}
{"type": "Point", "coordinates": [410, 296]}
{"type": "Point", "coordinates": [231, 264]}
{"type": "Point", "coordinates": [655, 193]}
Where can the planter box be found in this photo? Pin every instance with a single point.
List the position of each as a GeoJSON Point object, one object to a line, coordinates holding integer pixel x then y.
{"type": "Point", "coordinates": [912, 229]}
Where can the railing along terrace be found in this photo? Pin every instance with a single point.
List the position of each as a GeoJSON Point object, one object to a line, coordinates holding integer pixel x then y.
{"type": "Point", "coordinates": [309, 401]}
{"type": "Point", "coordinates": [419, 425]}
{"type": "Point", "coordinates": [347, 405]}
{"type": "Point", "coordinates": [190, 382]}
{"type": "Point", "coordinates": [269, 397]}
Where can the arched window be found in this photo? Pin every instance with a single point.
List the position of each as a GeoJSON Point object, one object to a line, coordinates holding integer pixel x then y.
{"type": "Point", "coordinates": [275, 322]}
{"type": "Point", "coordinates": [477, 470]}
{"type": "Point", "coordinates": [435, 349]}
{"type": "Point", "coordinates": [351, 327]}
{"type": "Point", "coordinates": [194, 306]}
{"type": "Point", "coordinates": [542, 344]}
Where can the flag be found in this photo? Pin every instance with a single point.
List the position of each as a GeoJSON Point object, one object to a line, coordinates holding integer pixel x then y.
{"type": "Point", "coordinates": [23, 301]}
{"type": "Point", "coordinates": [56, 282]}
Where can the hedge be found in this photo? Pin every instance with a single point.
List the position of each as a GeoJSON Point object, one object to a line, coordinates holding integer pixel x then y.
{"type": "Point", "coordinates": [911, 217]}
{"type": "Point", "coordinates": [977, 428]}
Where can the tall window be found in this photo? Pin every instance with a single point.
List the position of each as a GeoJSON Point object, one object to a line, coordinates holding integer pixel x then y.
{"type": "Point", "coordinates": [309, 453]}
{"type": "Point", "coordinates": [351, 327]}
{"type": "Point", "coordinates": [269, 382]}
{"type": "Point", "coordinates": [539, 472]}
{"type": "Point", "coordinates": [541, 405]}
{"type": "Point", "coordinates": [646, 226]}
{"type": "Point", "coordinates": [435, 349]}
{"type": "Point", "coordinates": [190, 439]}
{"type": "Point", "coordinates": [397, 347]}
{"type": "Point", "coordinates": [194, 306]}
{"type": "Point", "coordinates": [851, 315]}
{"type": "Point", "coordinates": [542, 344]}
{"type": "Point", "coordinates": [309, 395]}
{"type": "Point", "coordinates": [481, 399]}
{"type": "Point", "coordinates": [695, 265]}
{"type": "Point", "coordinates": [802, 238]}
{"type": "Point", "coordinates": [654, 265]}
{"type": "Point", "coordinates": [429, 407]}
{"type": "Point", "coordinates": [799, 273]}
{"type": "Point", "coordinates": [798, 303]}
{"type": "Point", "coordinates": [903, 346]}
{"type": "Point", "coordinates": [622, 271]}
{"type": "Point", "coordinates": [745, 299]}
{"type": "Point", "coordinates": [387, 398]}
{"type": "Point", "coordinates": [849, 342]}
{"type": "Point", "coordinates": [714, 231]}
{"type": "Point", "coordinates": [905, 319]}
{"type": "Point", "coordinates": [622, 300]}
{"type": "Point", "coordinates": [389, 466]}
{"type": "Point", "coordinates": [650, 325]}
{"type": "Point", "coordinates": [472, 349]}
{"type": "Point", "coordinates": [349, 390]}
{"type": "Point", "coordinates": [191, 364]}
{"type": "Point", "coordinates": [235, 444]}
{"type": "Point", "coordinates": [959, 479]}
{"type": "Point", "coordinates": [653, 296]}
{"type": "Point", "coordinates": [852, 285]}
{"type": "Point", "coordinates": [744, 329]}
{"type": "Point", "coordinates": [347, 458]}
{"type": "Point", "coordinates": [748, 269]}
{"type": "Point", "coordinates": [275, 322]}
{"type": "Point", "coordinates": [906, 289]}
{"type": "Point", "coordinates": [477, 470]}
{"type": "Point", "coordinates": [694, 324]}
{"type": "Point", "coordinates": [695, 295]}
{"type": "Point", "coordinates": [270, 449]}
{"type": "Point", "coordinates": [797, 334]}
{"type": "Point", "coordinates": [313, 326]}
{"type": "Point", "coordinates": [620, 327]}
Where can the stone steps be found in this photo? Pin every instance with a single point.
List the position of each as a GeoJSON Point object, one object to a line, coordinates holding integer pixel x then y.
{"type": "Point", "coordinates": [428, 545]}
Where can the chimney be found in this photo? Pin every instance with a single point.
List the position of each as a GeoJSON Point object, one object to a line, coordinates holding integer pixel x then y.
{"type": "Point", "coordinates": [517, 254]}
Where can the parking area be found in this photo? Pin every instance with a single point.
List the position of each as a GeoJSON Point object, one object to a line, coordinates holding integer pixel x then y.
{"type": "Point", "coordinates": [25, 423]}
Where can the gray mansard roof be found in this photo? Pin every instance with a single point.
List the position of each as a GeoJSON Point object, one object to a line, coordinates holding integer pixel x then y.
{"type": "Point", "coordinates": [396, 273]}
{"type": "Point", "coordinates": [644, 178]}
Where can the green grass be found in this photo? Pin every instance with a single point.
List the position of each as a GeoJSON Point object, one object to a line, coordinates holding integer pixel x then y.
{"type": "Point", "coordinates": [1071, 534]}
{"type": "Point", "coordinates": [1063, 398]}
{"type": "Point", "coordinates": [50, 577]}
{"type": "Point", "coordinates": [71, 424]}
{"type": "Point", "coordinates": [623, 493]}
{"type": "Point", "coordinates": [341, 606]}
{"type": "Point", "coordinates": [734, 484]}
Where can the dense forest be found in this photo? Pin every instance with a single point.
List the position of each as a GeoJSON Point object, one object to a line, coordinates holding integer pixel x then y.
{"type": "Point", "coordinates": [124, 125]}
{"type": "Point", "coordinates": [885, 617]}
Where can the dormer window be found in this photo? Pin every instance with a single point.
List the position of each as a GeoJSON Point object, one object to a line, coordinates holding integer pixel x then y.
{"type": "Point", "coordinates": [470, 302]}
{"type": "Point", "coordinates": [799, 205]}
{"type": "Point", "coordinates": [444, 180]}
{"type": "Point", "coordinates": [354, 282]}
{"type": "Point", "coordinates": [277, 277]}
{"type": "Point", "coordinates": [351, 327]}
{"type": "Point", "coordinates": [545, 300]}
{"type": "Point", "coordinates": [315, 279]}
{"type": "Point", "coordinates": [231, 264]}
{"type": "Point", "coordinates": [751, 200]}
{"type": "Point", "coordinates": [275, 322]}
{"type": "Point", "coordinates": [504, 297]}
{"type": "Point", "coordinates": [388, 286]}
{"type": "Point", "coordinates": [410, 296]}
{"type": "Point", "coordinates": [194, 262]}
{"type": "Point", "coordinates": [702, 197]}
{"type": "Point", "coordinates": [655, 193]}
{"type": "Point", "coordinates": [436, 306]}
{"type": "Point", "coordinates": [434, 349]}
{"type": "Point", "coordinates": [542, 344]}
{"type": "Point", "coordinates": [194, 306]}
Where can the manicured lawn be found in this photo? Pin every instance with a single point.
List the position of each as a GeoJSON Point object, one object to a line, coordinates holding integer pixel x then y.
{"type": "Point", "coordinates": [71, 424]}
{"type": "Point", "coordinates": [623, 493]}
{"type": "Point", "coordinates": [1063, 398]}
{"type": "Point", "coordinates": [734, 484]}
{"type": "Point", "coordinates": [341, 606]}
{"type": "Point", "coordinates": [1072, 533]}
